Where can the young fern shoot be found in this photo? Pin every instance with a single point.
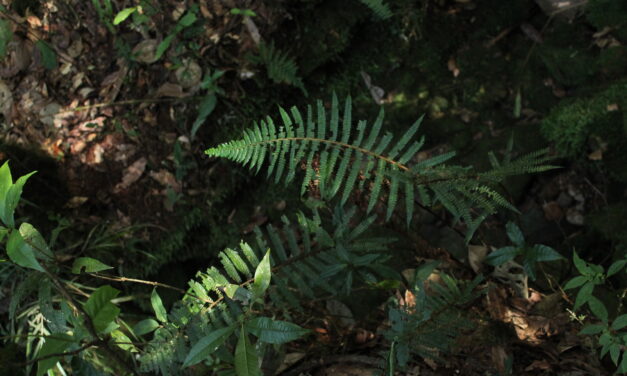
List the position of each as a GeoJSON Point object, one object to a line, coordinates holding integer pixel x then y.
{"type": "Point", "coordinates": [343, 157]}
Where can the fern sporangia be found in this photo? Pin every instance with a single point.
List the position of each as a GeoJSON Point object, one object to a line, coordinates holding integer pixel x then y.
{"type": "Point", "coordinates": [341, 162]}
{"type": "Point", "coordinates": [306, 262]}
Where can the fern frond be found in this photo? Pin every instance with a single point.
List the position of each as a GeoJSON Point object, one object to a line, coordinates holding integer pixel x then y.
{"type": "Point", "coordinates": [384, 166]}
{"type": "Point", "coordinates": [378, 7]}
{"type": "Point", "coordinates": [280, 67]}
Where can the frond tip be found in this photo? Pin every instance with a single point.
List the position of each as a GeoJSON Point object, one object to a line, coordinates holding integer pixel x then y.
{"type": "Point", "coordinates": [344, 156]}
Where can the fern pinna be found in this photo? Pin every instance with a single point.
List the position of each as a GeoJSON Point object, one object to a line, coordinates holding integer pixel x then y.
{"type": "Point", "coordinates": [342, 162]}
{"type": "Point", "coordinates": [305, 261]}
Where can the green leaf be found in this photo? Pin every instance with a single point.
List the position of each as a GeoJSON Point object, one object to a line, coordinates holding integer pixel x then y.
{"type": "Point", "coordinates": [514, 234]}
{"type": "Point", "coordinates": [502, 255]}
{"type": "Point", "coordinates": [3, 232]}
{"type": "Point", "coordinates": [592, 329]}
{"type": "Point", "coordinates": [620, 322]}
{"type": "Point", "coordinates": [274, 331]}
{"type": "Point", "coordinates": [88, 265]}
{"type": "Point", "coordinates": [616, 267]}
{"type": "Point", "coordinates": [10, 194]}
{"type": "Point", "coordinates": [157, 306]}
{"type": "Point", "coordinates": [263, 274]}
{"type": "Point", "coordinates": [207, 345]}
{"type": "Point", "coordinates": [207, 105]}
{"type": "Point", "coordinates": [6, 36]}
{"type": "Point", "coordinates": [517, 105]}
{"type": "Point", "coordinates": [33, 238]}
{"type": "Point", "coordinates": [48, 56]}
{"type": "Point", "coordinates": [575, 282]}
{"type": "Point", "coordinates": [615, 353]}
{"type": "Point", "coordinates": [598, 308]}
{"type": "Point", "coordinates": [145, 326]}
{"type": "Point", "coordinates": [623, 364]}
{"type": "Point", "coordinates": [123, 15]}
{"type": "Point", "coordinates": [21, 253]}
{"type": "Point", "coordinates": [584, 295]}
{"type": "Point", "coordinates": [54, 344]}
{"type": "Point", "coordinates": [188, 19]}
{"type": "Point", "coordinates": [246, 363]}
{"type": "Point", "coordinates": [581, 265]}
{"type": "Point", "coordinates": [541, 252]}
{"type": "Point", "coordinates": [100, 309]}
{"type": "Point", "coordinates": [163, 46]}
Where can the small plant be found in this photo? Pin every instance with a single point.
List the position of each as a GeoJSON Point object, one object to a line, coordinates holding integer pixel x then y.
{"type": "Point", "coordinates": [612, 335]}
{"type": "Point", "coordinates": [530, 254]}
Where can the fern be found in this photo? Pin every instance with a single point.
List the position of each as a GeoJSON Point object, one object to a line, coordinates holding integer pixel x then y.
{"type": "Point", "coordinates": [307, 262]}
{"type": "Point", "coordinates": [430, 324]}
{"type": "Point", "coordinates": [342, 163]}
{"type": "Point", "coordinates": [281, 68]}
{"type": "Point", "coordinates": [378, 7]}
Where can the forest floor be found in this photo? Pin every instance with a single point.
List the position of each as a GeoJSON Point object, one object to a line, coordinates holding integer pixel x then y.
{"type": "Point", "coordinates": [118, 131]}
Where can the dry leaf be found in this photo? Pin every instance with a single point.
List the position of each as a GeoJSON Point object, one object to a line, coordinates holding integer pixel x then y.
{"type": "Point", "coordinates": [476, 255]}
{"type": "Point", "coordinates": [189, 74]}
{"type": "Point", "coordinates": [252, 29]}
{"type": "Point", "coordinates": [6, 101]}
{"type": "Point", "coordinates": [131, 175]}
{"type": "Point", "coordinates": [167, 179]}
{"type": "Point", "coordinates": [75, 202]}
{"type": "Point", "coordinates": [452, 66]}
{"type": "Point", "coordinates": [146, 51]}
{"type": "Point", "coordinates": [170, 90]}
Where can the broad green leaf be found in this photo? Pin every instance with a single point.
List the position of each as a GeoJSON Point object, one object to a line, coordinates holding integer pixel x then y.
{"type": "Point", "coordinates": [620, 322]}
{"type": "Point", "coordinates": [425, 270]}
{"type": "Point", "coordinates": [33, 238]}
{"type": "Point", "coordinates": [575, 282]}
{"type": "Point", "coordinates": [541, 252]}
{"type": "Point", "coordinates": [274, 331]}
{"type": "Point", "coordinates": [88, 265]}
{"type": "Point", "coordinates": [54, 344]}
{"type": "Point", "coordinates": [6, 36]}
{"type": "Point", "coordinates": [11, 193]}
{"type": "Point", "coordinates": [48, 56]}
{"type": "Point", "coordinates": [581, 265]}
{"type": "Point", "coordinates": [188, 19]}
{"type": "Point", "coordinates": [122, 341]}
{"type": "Point", "coordinates": [263, 274]}
{"type": "Point", "coordinates": [598, 308]}
{"type": "Point", "coordinates": [157, 306]}
{"type": "Point", "coordinates": [100, 309]}
{"type": "Point", "coordinates": [207, 105]}
{"type": "Point", "coordinates": [3, 232]}
{"type": "Point", "coordinates": [615, 353]}
{"type": "Point", "coordinates": [616, 267]}
{"type": "Point", "coordinates": [514, 234]}
{"type": "Point", "coordinates": [123, 15]}
{"type": "Point", "coordinates": [21, 253]}
{"type": "Point", "coordinates": [163, 46]}
{"type": "Point", "coordinates": [246, 363]}
{"type": "Point", "coordinates": [145, 326]}
{"type": "Point", "coordinates": [584, 295]}
{"type": "Point", "coordinates": [592, 329]}
{"type": "Point", "coordinates": [623, 364]}
{"type": "Point", "coordinates": [207, 345]}
{"type": "Point", "coordinates": [502, 255]}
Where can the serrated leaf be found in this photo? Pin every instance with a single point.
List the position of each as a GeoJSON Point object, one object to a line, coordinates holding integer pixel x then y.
{"type": "Point", "coordinates": [515, 234]}
{"type": "Point", "coordinates": [48, 56]}
{"type": "Point", "coordinates": [616, 267]}
{"type": "Point", "coordinates": [157, 306]}
{"type": "Point", "coordinates": [123, 15]}
{"type": "Point", "coordinates": [100, 309]}
{"type": "Point", "coordinates": [246, 362]}
{"type": "Point", "coordinates": [575, 282]}
{"type": "Point", "coordinates": [54, 344]}
{"type": "Point", "coordinates": [502, 255]}
{"type": "Point", "coordinates": [145, 326]}
{"type": "Point", "coordinates": [21, 253]}
{"type": "Point", "coordinates": [207, 345]}
{"type": "Point", "coordinates": [581, 265]}
{"type": "Point", "coordinates": [620, 322]}
{"type": "Point", "coordinates": [88, 265]}
{"type": "Point", "coordinates": [592, 329]}
{"type": "Point", "coordinates": [263, 274]}
{"type": "Point", "coordinates": [598, 308]}
{"type": "Point", "coordinates": [274, 331]}
{"type": "Point", "coordinates": [584, 295]}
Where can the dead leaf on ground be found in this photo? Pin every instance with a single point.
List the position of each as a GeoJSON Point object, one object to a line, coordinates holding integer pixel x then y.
{"type": "Point", "coordinates": [6, 101]}
{"type": "Point", "coordinates": [170, 90]}
{"type": "Point", "coordinates": [167, 179]}
{"type": "Point", "coordinates": [476, 255]}
{"type": "Point", "coordinates": [452, 67]}
{"type": "Point", "coordinates": [131, 175]}
{"type": "Point", "coordinates": [146, 51]}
